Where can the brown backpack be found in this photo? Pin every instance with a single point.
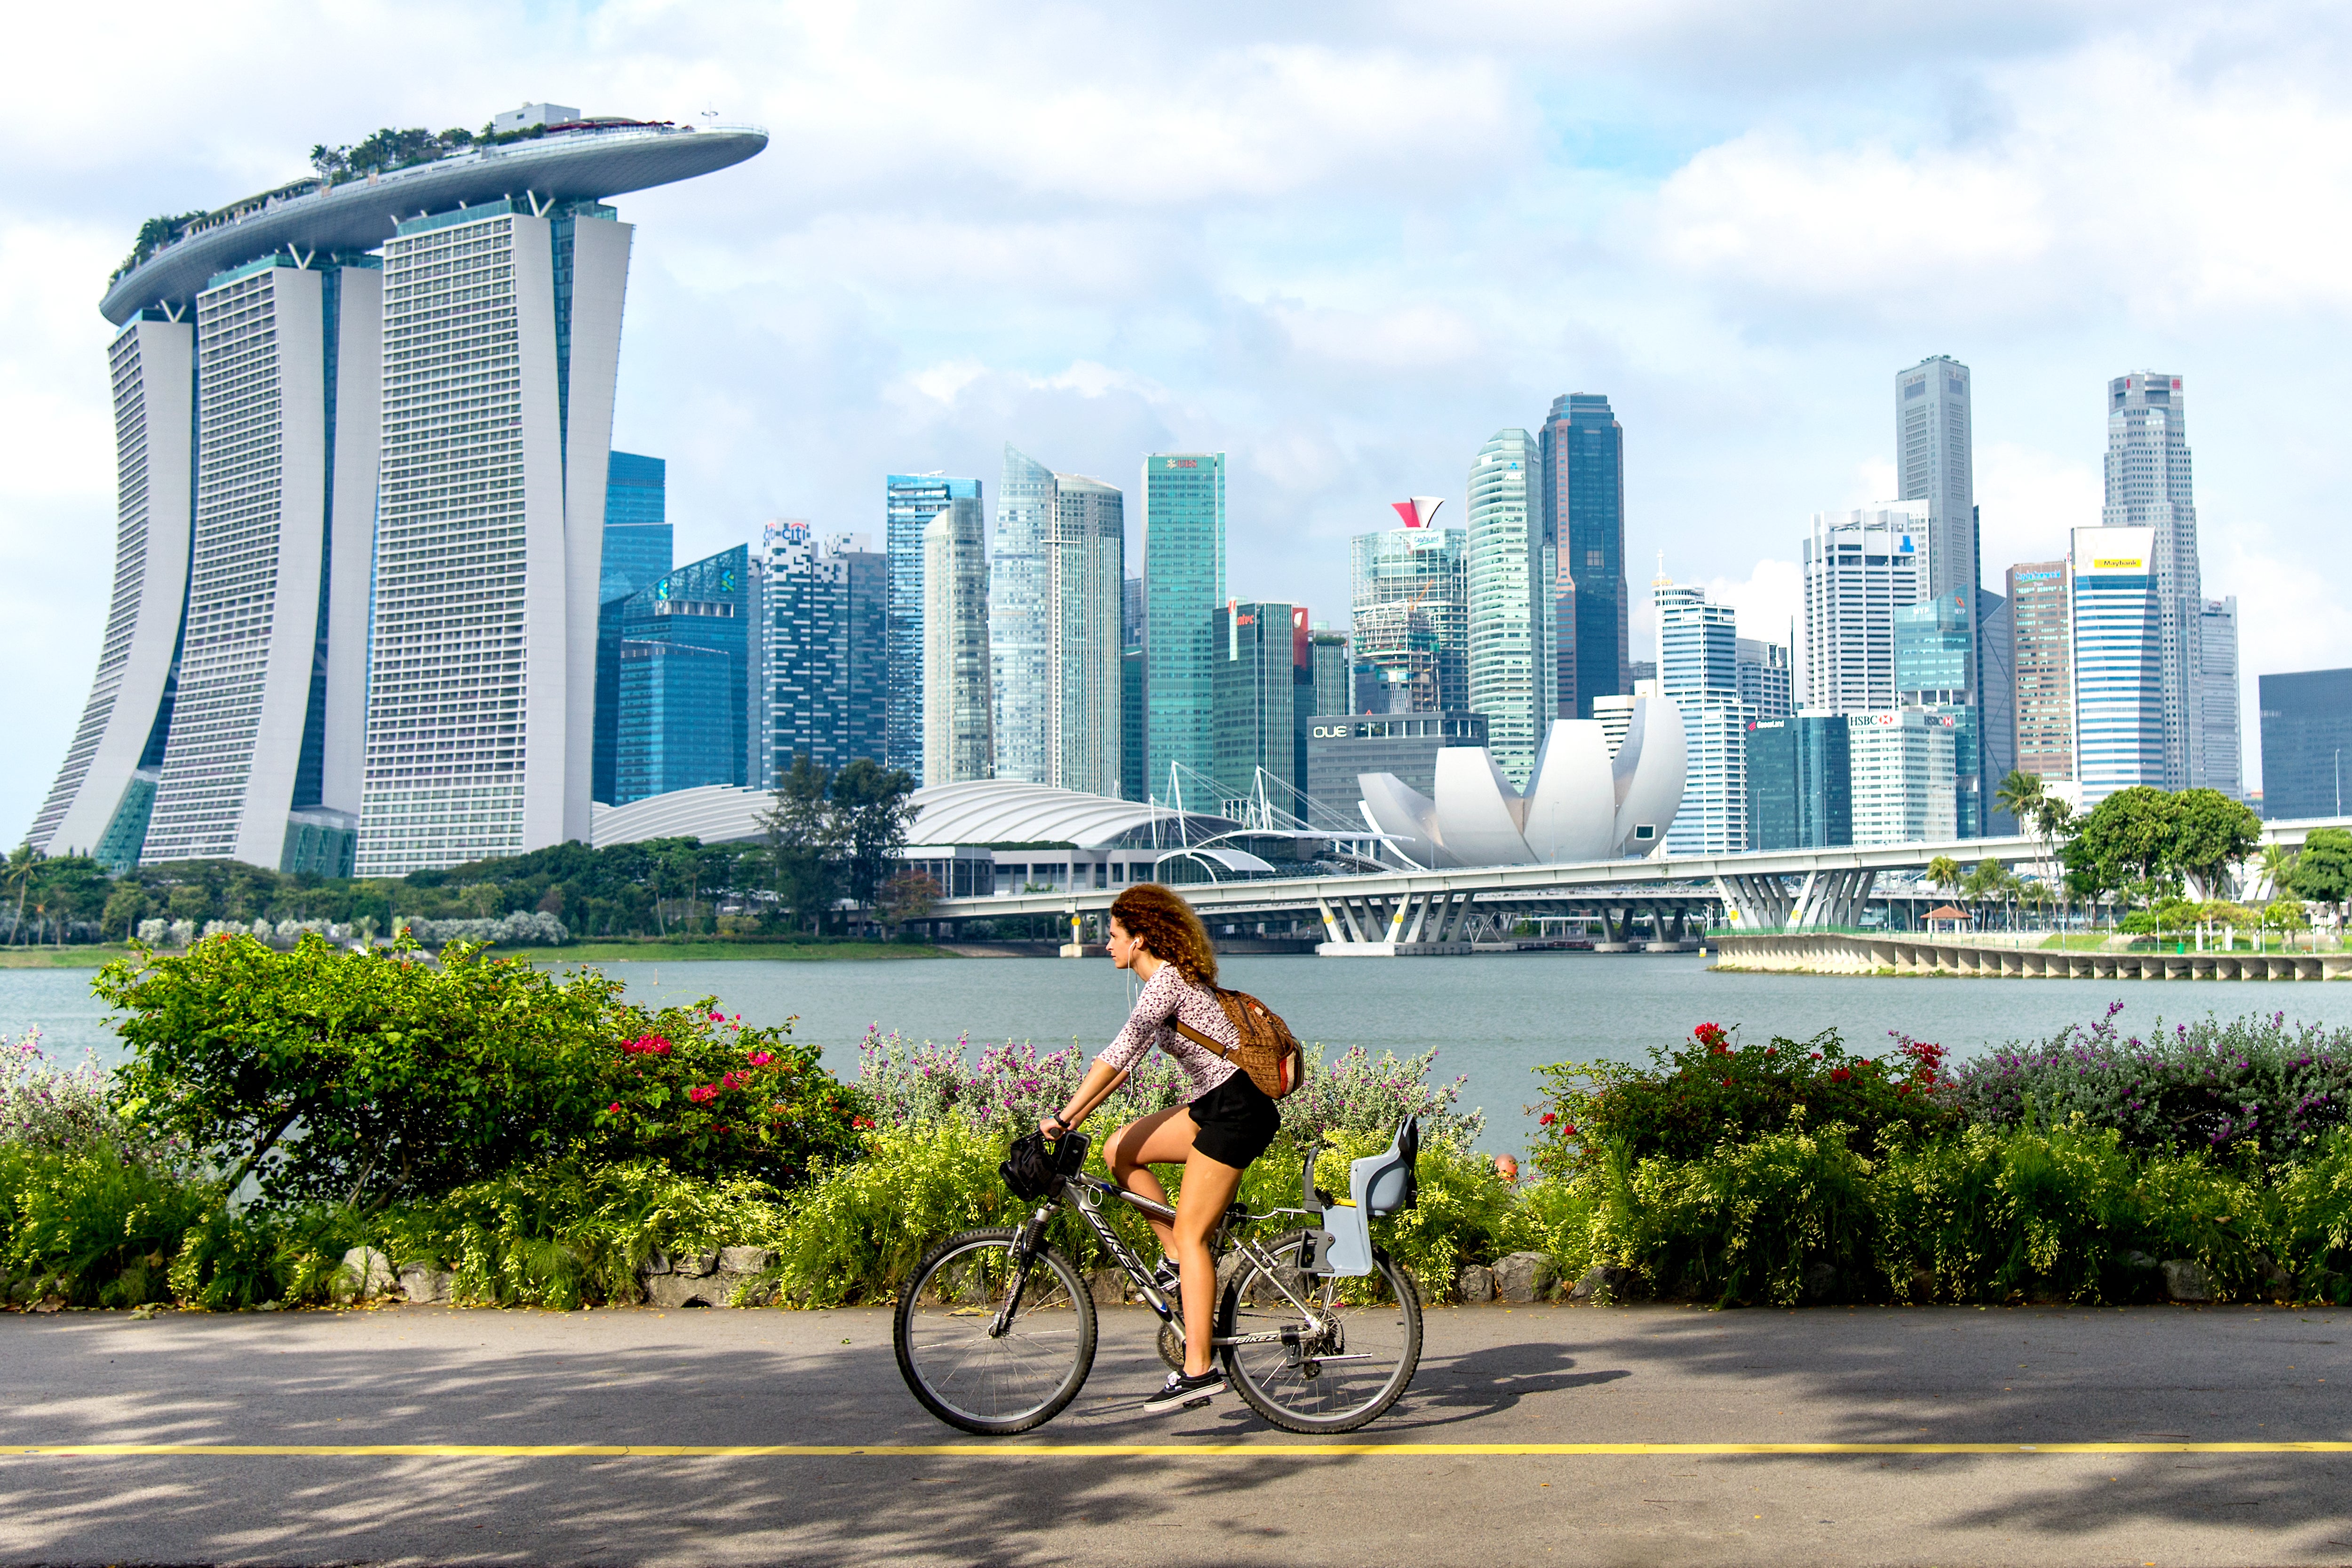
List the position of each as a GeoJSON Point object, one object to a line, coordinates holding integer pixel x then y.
{"type": "Point", "coordinates": [1268, 1051]}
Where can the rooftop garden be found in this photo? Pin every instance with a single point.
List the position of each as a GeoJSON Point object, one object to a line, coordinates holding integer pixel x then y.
{"type": "Point", "coordinates": [381, 154]}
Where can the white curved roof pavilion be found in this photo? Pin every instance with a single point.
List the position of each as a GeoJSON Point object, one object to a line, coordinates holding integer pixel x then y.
{"type": "Point", "coordinates": [985, 811]}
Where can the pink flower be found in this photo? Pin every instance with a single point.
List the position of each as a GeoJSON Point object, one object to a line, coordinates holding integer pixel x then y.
{"type": "Point", "coordinates": [702, 1093]}
{"type": "Point", "coordinates": [614, 1108]}
{"type": "Point", "coordinates": [718, 1019]}
{"type": "Point", "coordinates": [760, 1058]}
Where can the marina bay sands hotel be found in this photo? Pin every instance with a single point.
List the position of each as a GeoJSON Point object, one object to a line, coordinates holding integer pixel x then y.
{"type": "Point", "coordinates": [363, 424]}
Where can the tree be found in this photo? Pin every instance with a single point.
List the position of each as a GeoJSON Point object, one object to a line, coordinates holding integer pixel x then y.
{"type": "Point", "coordinates": [2211, 833]}
{"type": "Point", "coordinates": [907, 896]}
{"type": "Point", "coordinates": [19, 875]}
{"type": "Point", "coordinates": [2021, 796]}
{"type": "Point", "coordinates": [2323, 872]}
{"type": "Point", "coordinates": [2127, 841]}
{"type": "Point", "coordinates": [1944, 872]}
{"type": "Point", "coordinates": [801, 840]}
{"type": "Point", "coordinates": [2277, 869]}
{"type": "Point", "coordinates": [870, 803]}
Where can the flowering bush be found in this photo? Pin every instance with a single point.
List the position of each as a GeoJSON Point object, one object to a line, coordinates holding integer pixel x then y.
{"type": "Point", "coordinates": [48, 1106]}
{"type": "Point", "coordinates": [1017, 1086]}
{"type": "Point", "coordinates": [1711, 1089]}
{"type": "Point", "coordinates": [2254, 1084]}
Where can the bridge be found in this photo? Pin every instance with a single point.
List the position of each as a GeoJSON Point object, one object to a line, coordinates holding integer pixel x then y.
{"type": "Point", "coordinates": [1419, 913]}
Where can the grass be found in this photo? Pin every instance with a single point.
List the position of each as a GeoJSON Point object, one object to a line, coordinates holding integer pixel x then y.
{"type": "Point", "coordinates": [714, 949]}
{"type": "Point", "coordinates": [86, 955]}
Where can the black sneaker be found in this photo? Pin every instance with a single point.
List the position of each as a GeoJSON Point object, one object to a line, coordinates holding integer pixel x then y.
{"type": "Point", "coordinates": [1182, 1393]}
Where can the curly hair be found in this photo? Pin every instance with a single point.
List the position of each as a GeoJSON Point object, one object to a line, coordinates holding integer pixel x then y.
{"type": "Point", "coordinates": [1165, 924]}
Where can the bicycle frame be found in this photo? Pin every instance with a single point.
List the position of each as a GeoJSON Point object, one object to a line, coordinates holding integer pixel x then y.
{"type": "Point", "coordinates": [1085, 1194]}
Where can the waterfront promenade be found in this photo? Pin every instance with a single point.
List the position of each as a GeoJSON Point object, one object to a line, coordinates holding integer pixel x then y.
{"type": "Point", "coordinates": [1937, 1426]}
{"type": "Point", "coordinates": [1909, 953]}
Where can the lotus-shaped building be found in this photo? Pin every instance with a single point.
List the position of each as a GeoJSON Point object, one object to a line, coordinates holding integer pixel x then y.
{"type": "Point", "coordinates": [1582, 804]}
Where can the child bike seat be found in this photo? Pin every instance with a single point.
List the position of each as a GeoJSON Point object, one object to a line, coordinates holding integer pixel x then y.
{"type": "Point", "coordinates": [1381, 1184]}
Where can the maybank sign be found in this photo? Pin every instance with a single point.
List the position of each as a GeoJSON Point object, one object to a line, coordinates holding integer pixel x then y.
{"type": "Point", "coordinates": [2119, 563]}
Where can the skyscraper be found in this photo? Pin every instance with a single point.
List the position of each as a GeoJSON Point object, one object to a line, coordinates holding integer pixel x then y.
{"type": "Point", "coordinates": [106, 791]}
{"type": "Point", "coordinates": [285, 472]}
{"type": "Point", "coordinates": [1934, 641]}
{"type": "Point", "coordinates": [2119, 692]}
{"type": "Point", "coordinates": [1801, 781]}
{"type": "Point", "coordinates": [1184, 584]}
{"type": "Point", "coordinates": [637, 556]}
{"type": "Point", "coordinates": [1996, 706]}
{"type": "Point", "coordinates": [909, 502]}
{"type": "Point", "coordinates": [1056, 598]}
{"type": "Point", "coordinates": [2041, 643]}
{"type": "Point", "coordinates": [1934, 438]}
{"type": "Point", "coordinates": [1859, 566]}
{"type": "Point", "coordinates": [2220, 753]}
{"type": "Point", "coordinates": [691, 660]}
{"type": "Point", "coordinates": [825, 598]}
{"type": "Point", "coordinates": [1510, 573]}
{"type": "Point", "coordinates": [439, 423]}
{"type": "Point", "coordinates": [1765, 682]}
{"type": "Point", "coordinates": [958, 738]}
{"type": "Point", "coordinates": [1410, 608]}
{"type": "Point", "coordinates": [1256, 699]}
{"type": "Point", "coordinates": [1698, 670]}
{"type": "Point", "coordinates": [1584, 518]}
{"type": "Point", "coordinates": [2149, 486]}
{"type": "Point", "coordinates": [1903, 765]}
{"type": "Point", "coordinates": [2306, 722]}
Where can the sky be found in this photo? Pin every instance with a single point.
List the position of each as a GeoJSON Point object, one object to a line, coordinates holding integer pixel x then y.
{"type": "Point", "coordinates": [1344, 244]}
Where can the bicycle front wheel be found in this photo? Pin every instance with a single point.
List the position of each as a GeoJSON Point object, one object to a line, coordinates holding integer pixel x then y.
{"type": "Point", "coordinates": [961, 1368]}
{"type": "Point", "coordinates": [1330, 1372]}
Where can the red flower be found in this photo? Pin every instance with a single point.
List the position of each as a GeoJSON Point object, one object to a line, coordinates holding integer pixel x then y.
{"type": "Point", "coordinates": [718, 1019]}
{"type": "Point", "coordinates": [861, 1122]}
{"type": "Point", "coordinates": [1546, 1119]}
{"type": "Point", "coordinates": [614, 1108]}
{"type": "Point", "coordinates": [1715, 1038]}
{"type": "Point", "coordinates": [760, 1058]}
{"type": "Point", "coordinates": [702, 1093]}
{"type": "Point", "coordinates": [1568, 1131]}
{"type": "Point", "coordinates": [645, 1045]}
{"type": "Point", "coordinates": [1839, 1075]}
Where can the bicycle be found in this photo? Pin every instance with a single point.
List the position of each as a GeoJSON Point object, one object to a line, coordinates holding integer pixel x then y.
{"type": "Point", "coordinates": [995, 1330]}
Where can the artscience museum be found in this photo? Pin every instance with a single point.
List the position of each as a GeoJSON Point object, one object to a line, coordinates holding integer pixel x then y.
{"type": "Point", "coordinates": [1581, 801]}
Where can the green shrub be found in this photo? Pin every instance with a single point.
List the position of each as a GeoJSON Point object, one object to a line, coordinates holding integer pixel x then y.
{"type": "Point", "coordinates": [364, 1079]}
{"type": "Point", "coordinates": [92, 1228]}
{"type": "Point", "coordinates": [2314, 1220]}
{"type": "Point", "coordinates": [1752, 1221]}
{"type": "Point", "coordinates": [859, 1228]}
{"type": "Point", "coordinates": [1710, 1091]}
{"type": "Point", "coordinates": [561, 1235]}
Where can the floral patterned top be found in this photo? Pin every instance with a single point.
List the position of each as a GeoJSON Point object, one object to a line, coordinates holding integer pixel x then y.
{"type": "Point", "coordinates": [1166, 997]}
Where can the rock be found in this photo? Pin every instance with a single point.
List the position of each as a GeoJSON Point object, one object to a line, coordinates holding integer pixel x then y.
{"type": "Point", "coordinates": [746, 1259]}
{"type": "Point", "coordinates": [1821, 1281]}
{"type": "Point", "coordinates": [1477, 1283]}
{"type": "Point", "coordinates": [2184, 1280]}
{"type": "Point", "coordinates": [676, 1289]}
{"type": "Point", "coordinates": [1604, 1283]}
{"type": "Point", "coordinates": [1108, 1286]}
{"type": "Point", "coordinates": [699, 1266]}
{"type": "Point", "coordinates": [2277, 1277]}
{"type": "Point", "coordinates": [1522, 1276]}
{"type": "Point", "coordinates": [365, 1273]}
{"type": "Point", "coordinates": [424, 1282]}
{"type": "Point", "coordinates": [2138, 1260]}
{"type": "Point", "coordinates": [657, 1264]}
{"type": "Point", "coordinates": [1923, 1284]}
{"type": "Point", "coordinates": [49, 1304]}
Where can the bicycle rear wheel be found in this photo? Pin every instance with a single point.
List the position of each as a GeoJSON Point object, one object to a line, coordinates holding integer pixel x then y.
{"type": "Point", "coordinates": [994, 1385]}
{"type": "Point", "coordinates": [1331, 1379]}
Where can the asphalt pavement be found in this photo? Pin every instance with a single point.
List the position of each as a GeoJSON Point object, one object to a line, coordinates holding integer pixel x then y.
{"type": "Point", "coordinates": [1467, 1469]}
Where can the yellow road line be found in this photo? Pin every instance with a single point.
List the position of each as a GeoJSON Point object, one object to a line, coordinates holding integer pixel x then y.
{"type": "Point", "coordinates": [1272, 1448]}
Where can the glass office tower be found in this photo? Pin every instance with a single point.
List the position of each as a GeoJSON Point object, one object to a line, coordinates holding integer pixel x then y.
{"type": "Point", "coordinates": [823, 600]}
{"type": "Point", "coordinates": [2041, 650]}
{"type": "Point", "coordinates": [1800, 781]}
{"type": "Point", "coordinates": [957, 742]}
{"type": "Point", "coordinates": [2306, 722]}
{"type": "Point", "coordinates": [690, 675]}
{"type": "Point", "coordinates": [1056, 600]}
{"type": "Point", "coordinates": [1510, 573]}
{"type": "Point", "coordinates": [2220, 753]}
{"type": "Point", "coordinates": [637, 556]}
{"type": "Point", "coordinates": [1698, 670]}
{"type": "Point", "coordinates": [2119, 692]}
{"type": "Point", "coordinates": [2149, 485]}
{"type": "Point", "coordinates": [1256, 695]}
{"type": "Point", "coordinates": [1409, 598]}
{"type": "Point", "coordinates": [1584, 518]}
{"type": "Point", "coordinates": [909, 502]}
{"type": "Point", "coordinates": [1183, 586]}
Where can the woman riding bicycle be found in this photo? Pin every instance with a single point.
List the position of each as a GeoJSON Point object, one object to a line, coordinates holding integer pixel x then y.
{"type": "Point", "coordinates": [1225, 1122]}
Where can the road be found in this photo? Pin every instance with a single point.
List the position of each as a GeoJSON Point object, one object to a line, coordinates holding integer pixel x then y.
{"type": "Point", "coordinates": [1405, 1492]}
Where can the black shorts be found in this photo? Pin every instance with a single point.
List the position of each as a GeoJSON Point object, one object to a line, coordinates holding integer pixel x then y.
{"type": "Point", "coordinates": [1236, 1121]}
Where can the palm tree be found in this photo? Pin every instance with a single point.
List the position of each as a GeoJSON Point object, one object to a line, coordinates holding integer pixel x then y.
{"type": "Point", "coordinates": [2277, 870]}
{"type": "Point", "coordinates": [19, 871]}
{"type": "Point", "coordinates": [2021, 796]}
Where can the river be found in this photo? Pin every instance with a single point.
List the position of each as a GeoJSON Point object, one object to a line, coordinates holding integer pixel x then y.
{"type": "Point", "coordinates": [1494, 1017]}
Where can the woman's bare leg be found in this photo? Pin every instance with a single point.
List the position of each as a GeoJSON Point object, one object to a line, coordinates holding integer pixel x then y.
{"type": "Point", "coordinates": [1209, 1188]}
{"type": "Point", "coordinates": [1124, 1154]}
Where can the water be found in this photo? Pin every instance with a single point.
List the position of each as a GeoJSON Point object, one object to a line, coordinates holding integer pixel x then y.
{"type": "Point", "coordinates": [1492, 1016]}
